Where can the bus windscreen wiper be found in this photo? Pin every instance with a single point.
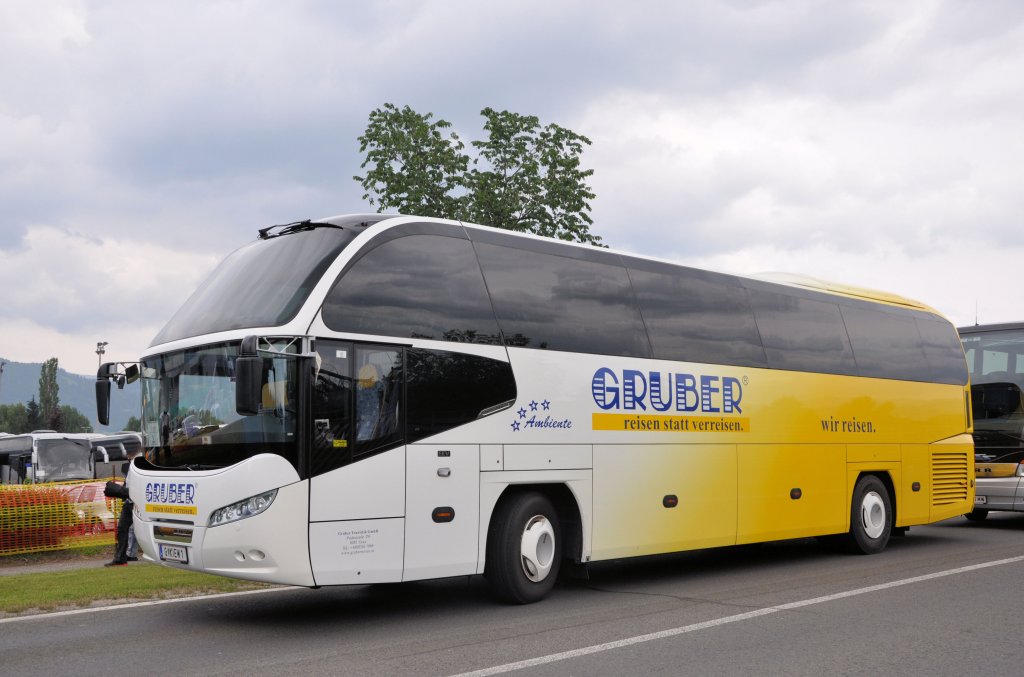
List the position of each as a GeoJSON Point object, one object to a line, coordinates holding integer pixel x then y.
{"type": "Point", "coordinates": [296, 227]}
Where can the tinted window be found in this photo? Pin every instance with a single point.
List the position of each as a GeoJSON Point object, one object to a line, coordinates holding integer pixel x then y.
{"type": "Point", "coordinates": [356, 403]}
{"type": "Point", "coordinates": [694, 316]}
{"type": "Point", "coordinates": [418, 286]}
{"type": "Point", "coordinates": [557, 303]}
{"type": "Point", "coordinates": [802, 334]}
{"type": "Point", "coordinates": [15, 444]}
{"type": "Point", "coordinates": [885, 344]}
{"type": "Point", "coordinates": [260, 285]}
{"type": "Point", "coordinates": [332, 407]}
{"type": "Point", "coordinates": [445, 390]}
{"type": "Point", "coordinates": [995, 356]}
{"type": "Point", "coordinates": [943, 351]}
{"type": "Point", "coordinates": [378, 388]}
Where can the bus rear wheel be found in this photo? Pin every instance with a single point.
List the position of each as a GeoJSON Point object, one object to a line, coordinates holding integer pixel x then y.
{"type": "Point", "coordinates": [871, 517]}
{"type": "Point", "coordinates": [524, 548]}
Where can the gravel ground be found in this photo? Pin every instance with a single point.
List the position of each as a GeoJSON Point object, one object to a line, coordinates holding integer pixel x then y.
{"type": "Point", "coordinates": [12, 565]}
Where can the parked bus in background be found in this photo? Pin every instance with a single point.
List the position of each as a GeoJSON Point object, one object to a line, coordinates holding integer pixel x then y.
{"type": "Point", "coordinates": [110, 452]}
{"type": "Point", "coordinates": [45, 456]}
{"type": "Point", "coordinates": [378, 398]}
{"type": "Point", "coordinates": [995, 358]}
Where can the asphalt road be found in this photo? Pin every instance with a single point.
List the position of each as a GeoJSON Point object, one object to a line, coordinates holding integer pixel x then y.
{"type": "Point", "coordinates": [942, 601]}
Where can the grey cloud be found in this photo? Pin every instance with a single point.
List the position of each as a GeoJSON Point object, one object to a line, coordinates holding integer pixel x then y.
{"type": "Point", "coordinates": [718, 128]}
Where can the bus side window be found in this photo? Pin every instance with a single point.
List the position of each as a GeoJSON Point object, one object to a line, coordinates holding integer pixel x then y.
{"type": "Point", "coordinates": [378, 388]}
{"type": "Point", "coordinates": [332, 408]}
{"type": "Point", "coordinates": [418, 286]}
{"type": "Point", "coordinates": [802, 332]}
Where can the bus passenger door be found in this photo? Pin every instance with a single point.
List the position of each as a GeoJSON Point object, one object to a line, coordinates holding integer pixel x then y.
{"type": "Point", "coordinates": [442, 510]}
{"type": "Point", "coordinates": [356, 465]}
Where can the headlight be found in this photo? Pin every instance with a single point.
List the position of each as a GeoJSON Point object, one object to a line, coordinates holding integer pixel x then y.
{"type": "Point", "coordinates": [248, 507]}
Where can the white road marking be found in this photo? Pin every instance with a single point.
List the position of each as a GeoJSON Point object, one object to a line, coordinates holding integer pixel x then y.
{"type": "Point", "coordinates": [135, 605]}
{"type": "Point", "coordinates": [672, 632]}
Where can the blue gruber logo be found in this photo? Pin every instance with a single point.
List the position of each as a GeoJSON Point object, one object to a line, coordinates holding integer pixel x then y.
{"type": "Point", "coordinates": [652, 401]}
{"type": "Point", "coordinates": [663, 392]}
{"type": "Point", "coordinates": [171, 493]}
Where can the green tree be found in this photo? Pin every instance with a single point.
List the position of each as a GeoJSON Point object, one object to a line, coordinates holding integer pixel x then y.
{"type": "Point", "coordinates": [56, 421]}
{"type": "Point", "coordinates": [14, 418]}
{"type": "Point", "coordinates": [34, 416]}
{"type": "Point", "coordinates": [415, 168]}
{"type": "Point", "coordinates": [49, 394]}
{"type": "Point", "coordinates": [134, 424]}
{"type": "Point", "coordinates": [73, 421]}
{"type": "Point", "coordinates": [525, 177]}
{"type": "Point", "coordinates": [531, 179]}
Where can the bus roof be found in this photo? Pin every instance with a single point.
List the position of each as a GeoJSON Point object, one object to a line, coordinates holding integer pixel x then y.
{"type": "Point", "coordinates": [789, 279]}
{"type": "Point", "coordinates": [284, 289]}
{"type": "Point", "coordinates": [982, 328]}
{"type": "Point", "coordinates": [808, 282]}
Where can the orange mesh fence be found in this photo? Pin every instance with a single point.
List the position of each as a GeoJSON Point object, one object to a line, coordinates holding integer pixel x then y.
{"type": "Point", "coordinates": [42, 517]}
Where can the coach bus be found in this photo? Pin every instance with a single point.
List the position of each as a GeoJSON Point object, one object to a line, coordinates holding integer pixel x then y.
{"type": "Point", "coordinates": [995, 359]}
{"type": "Point", "coordinates": [45, 456]}
{"type": "Point", "coordinates": [376, 398]}
{"type": "Point", "coordinates": [111, 452]}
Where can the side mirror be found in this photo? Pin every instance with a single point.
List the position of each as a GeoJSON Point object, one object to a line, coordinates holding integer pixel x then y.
{"type": "Point", "coordinates": [103, 393]}
{"type": "Point", "coordinates": [248, 378]}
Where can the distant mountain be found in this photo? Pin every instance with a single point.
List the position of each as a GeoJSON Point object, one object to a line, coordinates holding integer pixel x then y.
{"type": "Point", "coordinates": [20, 383]}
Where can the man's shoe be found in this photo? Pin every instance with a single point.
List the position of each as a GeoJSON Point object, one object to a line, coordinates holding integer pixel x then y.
{"type": "Point", "coordinates": [115, 563]}
{"type": "Point", "coordinates": [133, 559]}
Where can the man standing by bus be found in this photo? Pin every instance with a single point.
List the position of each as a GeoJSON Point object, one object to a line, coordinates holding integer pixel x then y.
{"type": "Point", "coordinates": [127, 548]}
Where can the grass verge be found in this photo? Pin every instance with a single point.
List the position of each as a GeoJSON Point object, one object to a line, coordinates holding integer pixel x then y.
{"type": "Point", "coordinates": [70, 554]}
{"type": "Point", "coordinates": [75, 588]}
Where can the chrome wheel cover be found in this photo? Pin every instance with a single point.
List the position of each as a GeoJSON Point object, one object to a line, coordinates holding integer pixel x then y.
{"type": "Point", "coordinates": [537, 548]}
{"type": "Point", "coordinates": [872, 514]}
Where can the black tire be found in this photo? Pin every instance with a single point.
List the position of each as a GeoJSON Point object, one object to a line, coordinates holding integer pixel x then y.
{"type": "Point", "coordinates": [977, 515]}
{"type": "Point", "coordinates": [871, 517]}
{"type": "Point", "coordinates": [516, 576]}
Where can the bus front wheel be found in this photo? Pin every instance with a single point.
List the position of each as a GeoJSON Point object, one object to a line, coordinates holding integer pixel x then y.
{"type": "Point", "coordinates": [524, 548]}
{"type": "Point", "coordinates": [871, 516]}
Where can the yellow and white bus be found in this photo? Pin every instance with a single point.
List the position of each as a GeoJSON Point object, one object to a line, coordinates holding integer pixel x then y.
{"type": "Point", "coordinates": [377, 398]}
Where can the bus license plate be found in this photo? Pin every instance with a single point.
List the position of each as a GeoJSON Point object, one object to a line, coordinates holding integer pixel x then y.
{"type": "Point", "coordinates": [980, 500]}
{"type": "Point", "coordinates": [174, 553]}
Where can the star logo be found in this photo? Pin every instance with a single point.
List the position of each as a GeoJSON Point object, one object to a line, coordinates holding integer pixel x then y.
{"type": "Point", "coordinates": [522, 413]}
{"type": "Point", "coordinates": [515, 426]}
{"type": "Point", "coordinates": [533, 405]}
{"type": "Point", "coordinates": [546, 405]}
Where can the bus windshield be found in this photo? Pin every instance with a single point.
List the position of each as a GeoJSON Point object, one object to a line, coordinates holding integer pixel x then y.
{"type": "Point", "coordinates": [62, 460]}
{"type": "Point", "coordinates": [996, 363]}
{"type": "Point", "coordinates": [263, 284]}
{"type": "Point", "coordinates": [188, 408]}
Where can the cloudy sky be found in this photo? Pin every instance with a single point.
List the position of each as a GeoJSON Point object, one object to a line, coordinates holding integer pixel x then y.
{"type": "Point", "coordinates": [870, 143]}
